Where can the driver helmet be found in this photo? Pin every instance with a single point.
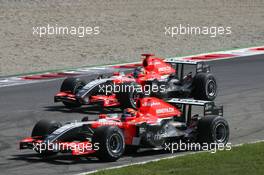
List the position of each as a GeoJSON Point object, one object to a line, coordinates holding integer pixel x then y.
{"type": "Point", "coordinates": [129, 112]}
{"type": "Point", "coordinates": [139, 71]}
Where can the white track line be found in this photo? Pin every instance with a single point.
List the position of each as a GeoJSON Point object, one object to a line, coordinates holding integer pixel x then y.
{"type": "Point", "coordinates": [164, 158]}
{"type": "Point", "coordinates": [18, 80]}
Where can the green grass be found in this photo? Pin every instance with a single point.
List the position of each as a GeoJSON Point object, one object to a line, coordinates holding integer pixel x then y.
{"type": "Point", "coordinates": [246, 159]}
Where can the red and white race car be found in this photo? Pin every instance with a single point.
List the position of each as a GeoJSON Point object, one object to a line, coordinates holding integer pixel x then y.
{"type": "Point", "coordinates": [155, 124]}
{"type": "Point", "coordinates": [157, 78]}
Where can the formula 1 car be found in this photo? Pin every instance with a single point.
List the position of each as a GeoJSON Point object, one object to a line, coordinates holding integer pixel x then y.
{"type": "Point", "coordinates": [157, 78]}
{"type": "Point", "coordinates": [154, 123]}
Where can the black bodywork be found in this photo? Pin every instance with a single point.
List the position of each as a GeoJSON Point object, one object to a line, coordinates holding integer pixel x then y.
{"type": "Point", "coordinates": [182, 84]}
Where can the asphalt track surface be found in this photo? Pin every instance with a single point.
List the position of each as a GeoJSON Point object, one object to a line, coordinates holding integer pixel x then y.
{"type": "Point", "coordinates": [240, 81]}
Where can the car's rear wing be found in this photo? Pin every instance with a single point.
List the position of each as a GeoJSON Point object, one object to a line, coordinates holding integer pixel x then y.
{"type": "Point", "coordinates": [200, 65]}
{"type": "Point", "coordinates": [209, 106]}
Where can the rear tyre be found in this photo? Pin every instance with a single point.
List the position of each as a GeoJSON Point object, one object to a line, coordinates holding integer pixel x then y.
{"type": "Point", "coordinates": [129, 94]}
{"type": "Point", "coordinates": [205, 87]}
{"type": "Point", "coordinates": [111, 143]}
{"type": "Point", "coordinates": [43, 128]}
{"type": "Point", "coordinates": [72, 85]}
{"type": "Point", "coordinates": [213, 129]}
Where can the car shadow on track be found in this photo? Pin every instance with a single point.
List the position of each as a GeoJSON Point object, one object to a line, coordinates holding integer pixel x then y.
{"type": "Point", "coordinates": [68, 159]}
{"type": "Point", "coordinates": [93, 110]}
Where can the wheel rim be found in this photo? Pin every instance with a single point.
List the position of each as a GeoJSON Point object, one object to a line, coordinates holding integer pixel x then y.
{"type": "Point", "coordinates": [211, 88]}
{"type": "Point", "coordinates": [115, 143]}
{"type": "Point", "coordinates": [220, 133]}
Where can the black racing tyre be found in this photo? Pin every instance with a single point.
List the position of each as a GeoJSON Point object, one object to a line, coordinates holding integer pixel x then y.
{"type": "Point", "coordinates": [111, 143]}
{"type": "Point", "coordinates": [204, 87]}
{"type": "Point", "coordinates": [129, 95]}
{"type": "Point", "coordinates": [213, 129]}
{"type": "Point", "coordinates": [73, 85]}
{"type": "Point", "coordinates": [44, 128]}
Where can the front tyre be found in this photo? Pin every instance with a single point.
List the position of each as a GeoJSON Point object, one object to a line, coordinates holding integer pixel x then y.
{"type": "Point", "coordinates": [43, 128]}
{"type": "Point", "coordinates": [111, 143]}
{"type": "Point", "coordinates": [72, 85]}
{"type": "Point", "coordinates": [204, 87]}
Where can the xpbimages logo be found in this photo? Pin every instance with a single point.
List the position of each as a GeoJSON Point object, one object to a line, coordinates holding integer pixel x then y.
{"type": "Point", "coordinates": [117, 88]}
{"type": "Point", "coordinates": [183, 146]}
{"type": "Point", "coordinates": [78, 31]}
{"type": "Point", "coordinates": [210, 31]}
{"type": "Point", "coordinates": [64, 146]}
